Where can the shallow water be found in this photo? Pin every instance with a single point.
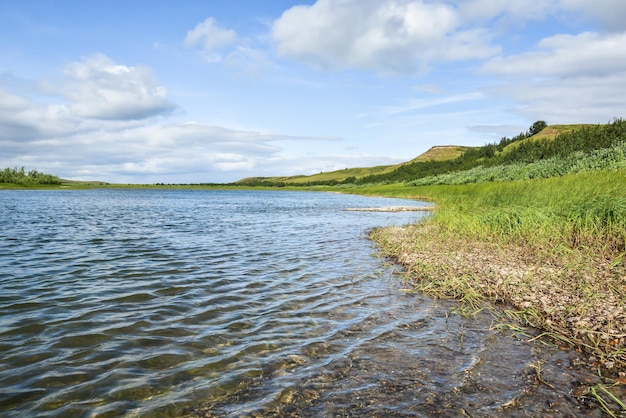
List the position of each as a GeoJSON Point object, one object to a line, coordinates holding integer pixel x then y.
{"type": "Point", "coordinates": [238, 303]}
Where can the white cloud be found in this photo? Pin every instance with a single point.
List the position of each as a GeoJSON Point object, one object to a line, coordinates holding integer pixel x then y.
{"type": "Point", "coordinates": [589, 54]}
{"type": "Point", "coordinates": [53, 137]}
{"type": "Point", "coordinates": [568, 78]}
{"type": "Point", "coordinates": [221, 45]}
{"type": "Point", "coordinates": [609, 13]}
{"type": "Point", "coordinates": [569, 100]}
{"type": "Point", "coordinates": [405, 36]}
{"type": "Point", "coordinates": [98, 88]}
{"type": "Point", "coordinates": [389, 36]}
{"type": "Point", "coordinates": [94, 123]}
{"type": "Point", "coordinates": [210, 35]}
{"type": "Point", "coordinates": [23, 120]}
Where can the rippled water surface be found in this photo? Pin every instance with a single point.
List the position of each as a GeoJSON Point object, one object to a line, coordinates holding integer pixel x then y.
{"type": "Point", "coordinates": [239, 303]}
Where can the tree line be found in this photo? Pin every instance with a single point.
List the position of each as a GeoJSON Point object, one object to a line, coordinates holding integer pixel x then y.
{"type": "Point", "coordinates": [21, 176]}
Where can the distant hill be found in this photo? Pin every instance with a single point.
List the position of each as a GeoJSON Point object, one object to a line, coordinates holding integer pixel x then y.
{"type": "Point", "coordinates": [436, 153]}
{"type": "Point", "coordinates": [439, 153]}
{"type": "Point", "coordinates": [438, 160]}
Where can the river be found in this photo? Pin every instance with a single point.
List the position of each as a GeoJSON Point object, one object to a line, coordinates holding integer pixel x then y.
{"type": "Point", "coordinates": [130, 302]}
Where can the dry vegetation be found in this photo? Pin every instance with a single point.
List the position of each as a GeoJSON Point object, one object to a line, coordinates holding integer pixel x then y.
{"type": "Point", "coordinates": [574, 300]}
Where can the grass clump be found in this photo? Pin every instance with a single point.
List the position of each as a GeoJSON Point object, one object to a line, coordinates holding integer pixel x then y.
{"type": "Point", "coordinates": [553, 249]}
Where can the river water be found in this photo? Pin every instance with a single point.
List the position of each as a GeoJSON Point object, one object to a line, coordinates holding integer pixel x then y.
{"type": "Point", "coordinates": [242, 303]}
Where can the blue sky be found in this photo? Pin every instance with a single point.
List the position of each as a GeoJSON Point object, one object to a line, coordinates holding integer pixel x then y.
{"type": "Point", "coordinates": [214, 91]}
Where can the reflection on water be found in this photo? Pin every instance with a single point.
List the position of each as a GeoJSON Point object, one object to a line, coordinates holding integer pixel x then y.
{"type": "Point", "coordinates": [222, 303]}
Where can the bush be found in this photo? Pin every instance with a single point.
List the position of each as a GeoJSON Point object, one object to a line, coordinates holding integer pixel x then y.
{"type": "Point", "coordinates": [32, 177]}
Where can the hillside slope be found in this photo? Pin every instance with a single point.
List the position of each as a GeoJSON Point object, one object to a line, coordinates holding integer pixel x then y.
{"type": "Point", "coordinates": [436, 153]}
{"type": "Point", "coordinates": [540, 142]}
{"type": "Point", "coordinates": [550, 132]}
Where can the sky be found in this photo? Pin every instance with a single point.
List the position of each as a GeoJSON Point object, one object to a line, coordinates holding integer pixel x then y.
{"type": "Point", "coordinates": [214, 91]}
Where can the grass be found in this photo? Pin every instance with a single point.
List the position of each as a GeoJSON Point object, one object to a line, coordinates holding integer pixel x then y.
{"type": "Point", "coordinates": [552, 249]}
{"type": "Point", "coordinates": [551, 131]}
{"type": "Point", "coordinates": [441, 153]}
{"type": "Point", "coordinates": [548, 133]}
{"type": "Point", "coordinates": [550, 252]}
{"type": "Point", "coordinates": [605, 397]}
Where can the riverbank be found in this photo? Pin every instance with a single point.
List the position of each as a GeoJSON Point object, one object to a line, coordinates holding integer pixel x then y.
{"type": "Point", "coordinates": [573, 303]}
{"type": "Point", "coordinates": [550, 251]}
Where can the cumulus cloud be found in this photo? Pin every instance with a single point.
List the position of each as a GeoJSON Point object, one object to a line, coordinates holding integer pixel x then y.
{"type": "Point", "coordinates": [210, 35]}
{"type": "Point", "coordinates": [93, 95]}
{"type": "Point", "coordinates": [389, 36]}
{"type": "Point", "coordinates": [405, 36]}
{"type": "Point", "coordinates": [590, 54]}
{"type": "Point", "coordinates": [23, 120]}
{"type": "Point", "coordinates": [568, 78]}
{"type": "Point", "coordinates": [58, 136]}
{"type": "Point", "coordinates": [15, 119]}
{"type": "Point", "coordinates": [569, 100]}
{"type": "Point", "coordinates": [98, 88]}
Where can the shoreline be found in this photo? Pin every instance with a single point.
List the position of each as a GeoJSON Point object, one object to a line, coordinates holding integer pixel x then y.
{"type": "Point", "coordinates": [545, 291]}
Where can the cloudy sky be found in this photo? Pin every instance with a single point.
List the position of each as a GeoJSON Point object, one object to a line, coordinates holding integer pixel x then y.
{"type": "Point", "coordinates": [212, 91]}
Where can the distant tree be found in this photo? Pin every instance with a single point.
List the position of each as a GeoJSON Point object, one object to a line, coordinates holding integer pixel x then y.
{"type": "Point", "coordinates": [490, 150]}
{"type": "Point", "coordinates": [537, 127]}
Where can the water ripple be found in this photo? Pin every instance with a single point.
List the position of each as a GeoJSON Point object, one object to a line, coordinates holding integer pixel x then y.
{"type": "Point", "coordinates": [157, 303]}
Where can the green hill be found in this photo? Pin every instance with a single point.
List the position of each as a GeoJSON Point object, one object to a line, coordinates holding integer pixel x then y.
{"type": "Point", "coordinates": [436, 153]}
{"type": "Point", "coordinates": [557, 143]}
{"type": "Point", "coordinates": [548, 133]}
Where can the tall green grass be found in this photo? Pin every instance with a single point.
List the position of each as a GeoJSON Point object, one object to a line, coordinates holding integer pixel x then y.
{"type": "Point", "coordinates": [576, 211]}
{"type": "Point", "coordinates": [584, 210]}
